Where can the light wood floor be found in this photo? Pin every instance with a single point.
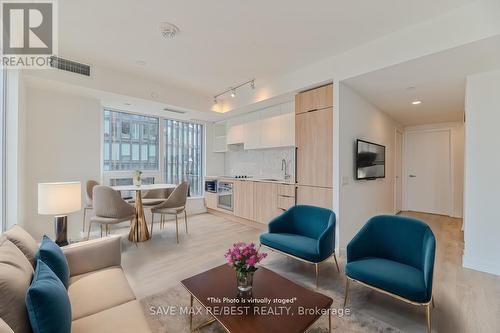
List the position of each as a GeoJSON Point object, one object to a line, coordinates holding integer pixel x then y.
{"type": "Point", "coordinates": [466, 300]}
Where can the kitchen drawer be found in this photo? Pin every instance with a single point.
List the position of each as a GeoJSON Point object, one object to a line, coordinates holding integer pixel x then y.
{"type": "Point", "coordinates": [286, 190]}
{"type": "Point", "coordinates": [285, 202]}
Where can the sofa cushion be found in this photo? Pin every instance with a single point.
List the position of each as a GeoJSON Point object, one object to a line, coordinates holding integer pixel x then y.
{"type": "Point", "coordinates": [15, 277]}
{"type": "Point", "coordinates": [125, 318]}
{"type": "Point", "coordinates": [394, 277]}
{"type": "Point", "coordinates": [296, 245]}
{"type": "Point", "coordinates": [23, 241]}
{"type": "Point", "coordinates": [47, 302]}
{"type": "Point", "coordinates": [4, 328]}
{"type": "Point", "coordinates": [51, 254]}
{"type": "Point", "coordinates": [97, 291]}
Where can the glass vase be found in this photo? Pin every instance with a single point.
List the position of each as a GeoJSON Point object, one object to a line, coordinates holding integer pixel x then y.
{"type": "Point", "coordinates": [244, 281]}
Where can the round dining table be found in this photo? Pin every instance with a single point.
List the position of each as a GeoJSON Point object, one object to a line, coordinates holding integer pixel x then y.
{"type": "Point", "coordinates": [138, 229]}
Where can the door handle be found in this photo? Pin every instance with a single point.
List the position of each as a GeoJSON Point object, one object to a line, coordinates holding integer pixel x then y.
{"type": "Point", "coordinates": [412, 176]}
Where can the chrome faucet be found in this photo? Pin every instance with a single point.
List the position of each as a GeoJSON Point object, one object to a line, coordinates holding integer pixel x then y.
{"type": "Point", "coordinates": [284, 167]}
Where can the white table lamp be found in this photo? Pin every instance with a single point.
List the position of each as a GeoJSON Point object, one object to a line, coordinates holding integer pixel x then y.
{"type": "Point", "coordinates": [59, 199]}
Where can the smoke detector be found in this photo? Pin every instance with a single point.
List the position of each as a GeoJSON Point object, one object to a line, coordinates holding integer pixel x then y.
{"type": "Point", "coordinates": [168, 30]}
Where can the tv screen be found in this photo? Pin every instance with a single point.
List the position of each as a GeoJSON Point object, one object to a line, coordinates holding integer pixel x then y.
{"type": "Point", "coordinates": [370, 160]}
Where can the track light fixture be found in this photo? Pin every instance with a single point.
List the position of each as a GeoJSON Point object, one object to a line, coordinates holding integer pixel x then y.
{"type": "Point", "coordinates": [232, 90]}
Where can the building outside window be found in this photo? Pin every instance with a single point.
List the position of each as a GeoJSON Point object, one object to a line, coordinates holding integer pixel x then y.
{"type": "Point", "coordinates": [132, 142]}
{"type": "Point", "coordinates": [184, 154]}
{"type": "Point", "coordinates": [122, 140]}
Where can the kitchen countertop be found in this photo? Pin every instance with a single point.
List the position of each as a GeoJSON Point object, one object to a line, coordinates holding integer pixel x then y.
{"type": "Point", "coordinates": [255, 179]}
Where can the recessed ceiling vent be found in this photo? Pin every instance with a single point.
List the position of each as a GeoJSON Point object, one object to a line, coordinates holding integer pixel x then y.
{"type": "Point", "coordinates": [175, 111]}
{"type": "Point", "coordinates": [69, 66]}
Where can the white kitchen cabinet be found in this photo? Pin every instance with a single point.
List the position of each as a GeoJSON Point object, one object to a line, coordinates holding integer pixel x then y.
{"type": "Point", "coordinates": [235, 134]}
{"type": "Point", "coordinates": [270, 132]}
{"type": "Point", "coordinates": [219, 137]}
{"type": "Point", "coordinates": [268, 128]}
{"type": "Point", "coordinates": [287, 130]}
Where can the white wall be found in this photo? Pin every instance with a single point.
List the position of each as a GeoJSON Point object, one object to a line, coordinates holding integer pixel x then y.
{"type": "Point", "coordinates": [457, 154]}
{"type": "Point", "coordinates": [62, 143]}
{"type": "Point", "coordinates": [482, 164]}
{"type": "Point", "coordinates": [360, 200]}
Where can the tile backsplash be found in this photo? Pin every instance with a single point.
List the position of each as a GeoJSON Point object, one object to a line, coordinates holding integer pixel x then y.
{"type": "Point", "coordinates": [259, 162]}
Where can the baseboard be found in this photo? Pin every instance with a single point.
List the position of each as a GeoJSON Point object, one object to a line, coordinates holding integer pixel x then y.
{"type": "Point", "coordinates": [486, 266]}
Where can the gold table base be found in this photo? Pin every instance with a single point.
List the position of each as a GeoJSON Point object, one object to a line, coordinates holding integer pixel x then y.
{"type": "Point", "coordinates": [138, 229]}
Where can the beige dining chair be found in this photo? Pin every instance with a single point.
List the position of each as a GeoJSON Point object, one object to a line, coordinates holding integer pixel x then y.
{"type": "Point", "coordinates": [109, 208]}
{"type": "Point", "coordinates": [174, 205]}
{"type": "Point", "coordinates": [88, 202]}
{"type": "Point", "coordinates": [156, 196]}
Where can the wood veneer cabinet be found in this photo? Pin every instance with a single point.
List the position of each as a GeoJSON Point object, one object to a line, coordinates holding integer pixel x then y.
{"type": "Point", "coordinates": [314, 140]}
{"type": "Point", "coordinates": [266, 202]}
{"type": "Point", "coordinates": [211, 200]}
{"type": "Point", "coordinates": [314, 99]}
{"type": "Point", "coordinates": [316, 196]}
{"type": "Point", "coordinates": [243, 194]}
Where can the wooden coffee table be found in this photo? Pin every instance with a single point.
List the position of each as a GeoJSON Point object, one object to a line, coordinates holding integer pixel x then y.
{"type": "Point", "coordinates": [216, 291]}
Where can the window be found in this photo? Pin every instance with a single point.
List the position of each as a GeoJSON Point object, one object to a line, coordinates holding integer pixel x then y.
{"type": "Point", "coordinates": [122, 140]}
{"type": "Point", "coordinates": [184, 154]}
{"type": "Point", "coordinates": [132, 142]}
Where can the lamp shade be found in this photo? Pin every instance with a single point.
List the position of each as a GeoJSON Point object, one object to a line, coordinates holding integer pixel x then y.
{"type": "Point", "coordinates": [59, 198]}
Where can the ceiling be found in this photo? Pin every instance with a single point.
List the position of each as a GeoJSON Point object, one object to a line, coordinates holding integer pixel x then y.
{"type": "Point", "coordinates": [224, 42]}
{"type": "Point", "coordinates": [437, 80]}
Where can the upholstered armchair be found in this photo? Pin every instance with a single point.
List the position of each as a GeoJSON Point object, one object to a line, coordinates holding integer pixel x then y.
{"type": "Point", "coordinates": [394, 255]}
{"type": "Point", "coordinates": [306, 233]}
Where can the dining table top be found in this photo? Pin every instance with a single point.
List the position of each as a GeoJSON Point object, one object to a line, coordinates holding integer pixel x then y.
{"type": "Point", "coordinates": [143, 187]}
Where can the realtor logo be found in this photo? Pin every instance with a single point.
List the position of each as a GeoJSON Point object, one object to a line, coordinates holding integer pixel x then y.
{"type": "Point", "coordinates": [28, 33]}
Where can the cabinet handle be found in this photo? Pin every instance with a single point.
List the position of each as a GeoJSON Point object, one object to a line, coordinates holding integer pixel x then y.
{"type": "Point", "coordinates": [296, 171]}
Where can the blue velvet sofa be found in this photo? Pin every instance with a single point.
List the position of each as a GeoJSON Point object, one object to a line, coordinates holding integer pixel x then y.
{"type": "Point", "coordinates": [306, 233]}
{"type": "Point", "coordinates": [394, 255]}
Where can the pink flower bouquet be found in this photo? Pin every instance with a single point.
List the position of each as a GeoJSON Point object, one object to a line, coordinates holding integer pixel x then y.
{"type": "Point", "coordinates": [243, 257]}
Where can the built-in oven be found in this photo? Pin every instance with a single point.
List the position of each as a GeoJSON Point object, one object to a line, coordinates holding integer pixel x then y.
{"type": "Point", "coordinates": [211, 185]}
{"type": "Point", "coordinates": [225, 195]}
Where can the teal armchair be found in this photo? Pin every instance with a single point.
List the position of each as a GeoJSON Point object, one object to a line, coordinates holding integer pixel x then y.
{"type": "Point", "coordinates": [394, 255]}
{"type": "Point", "coordinates": [306, 233]}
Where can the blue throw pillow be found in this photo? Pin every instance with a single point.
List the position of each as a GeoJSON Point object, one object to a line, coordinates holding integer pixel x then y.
{"type": "Point", "coordinates": [51, 254]}
{"type": "Point", "coordinates": [47, 301]}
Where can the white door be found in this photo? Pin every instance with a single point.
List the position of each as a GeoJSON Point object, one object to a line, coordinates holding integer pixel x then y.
{"type": "Point", "coordinates": [428, 171]}
{"type": "Point", "coordinates": [398, 181]}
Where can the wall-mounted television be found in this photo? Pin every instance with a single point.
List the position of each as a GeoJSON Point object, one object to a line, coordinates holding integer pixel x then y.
{"type": "Point", "coordinates": [370, 160]}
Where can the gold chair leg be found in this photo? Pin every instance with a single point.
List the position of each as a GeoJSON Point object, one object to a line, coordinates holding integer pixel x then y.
{"type": "Point", "coordinates": [88, 234]}
{"type": "Point", "coordinates": [84, 215]}
{"type": "Point", "coordinates": [162, 222]}
{"type": "Point", "coordinates": [336, 263]}
{"type": "Point", "coordinates": [433, 305]}
{"type": "Point", "coordinates": [346, 292]}
{"type": "Point", "coordinates": [101, 230]}
{"type": "Point", "coordinates": [316, 266]}
{"type": "Point", "coordinates": [429, 325]}
{"type": "Point", "coordinates": [191, 315]}
{"type": "Point", "coordinates": [186, 220]}
{"type": "Point", "coordinates": [177, 227]}
{"type": "Point", "coordinates": [152, 222]}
